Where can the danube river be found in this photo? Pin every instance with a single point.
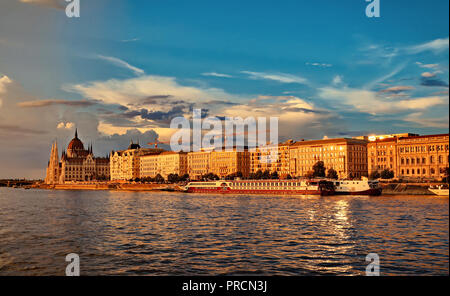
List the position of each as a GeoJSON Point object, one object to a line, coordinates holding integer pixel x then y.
{"type": "Point", "coordinates": [159, 233]}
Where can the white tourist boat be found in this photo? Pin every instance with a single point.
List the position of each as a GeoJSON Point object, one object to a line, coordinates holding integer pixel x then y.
{"type": "Point", "coordinates": [357, 187]}
{"type": "Point", "coordinates": [439, 190]}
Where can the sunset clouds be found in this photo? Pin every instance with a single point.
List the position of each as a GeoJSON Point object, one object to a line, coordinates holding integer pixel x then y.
{"type": "Point", "coordinates": [126, 70]}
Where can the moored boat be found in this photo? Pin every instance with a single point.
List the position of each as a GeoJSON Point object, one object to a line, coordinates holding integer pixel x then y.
{"type": "Point", "coordinates": [357, 187]}
{"type": "Point", "coordinates": [280, 187]}
{"type": "Point", "coordinates": [439, 190]}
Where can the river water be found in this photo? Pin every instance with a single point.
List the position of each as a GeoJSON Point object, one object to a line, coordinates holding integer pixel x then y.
{"type": "Point", "coordinates": [159, 233]}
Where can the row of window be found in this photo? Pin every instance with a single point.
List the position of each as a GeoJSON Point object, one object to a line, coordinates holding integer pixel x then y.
{"type": "Point", "coordinates": [418, 171]}
{"type": "Point", "coordinates": [422, 160]}
{"type": "Point", "coordinates": [424, 148]}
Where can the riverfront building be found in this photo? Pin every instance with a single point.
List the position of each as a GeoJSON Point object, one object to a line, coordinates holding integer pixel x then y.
{"type": "Point", "coordinates": [76, 164]}
{"type": "Point", "coordinates": [347, 156]}
{"type": "Point", "coordinates": [125, 164]}
{"type": "Point", "coordinates": [219, 162]}
{"type": "Point", "coordinates": [413, 157]}
{"type": "Point", "coordinates": [224, 163]}
{"type": "Point", "coordinates": [199, 164]}
{"type": "Point", "coordinates": [271, 158]}
{"type": "Point", "coordinates": [165, 163]}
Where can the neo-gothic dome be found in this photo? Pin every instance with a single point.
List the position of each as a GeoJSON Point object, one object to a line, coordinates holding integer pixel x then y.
{"type": "Point", "coordinates": [76, 143]}
{"type": "Point", "coordinates": [76, 147]}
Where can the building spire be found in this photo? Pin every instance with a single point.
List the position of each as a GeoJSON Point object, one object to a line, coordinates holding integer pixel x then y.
{"type": "Point", "coordinates": [76, 133]}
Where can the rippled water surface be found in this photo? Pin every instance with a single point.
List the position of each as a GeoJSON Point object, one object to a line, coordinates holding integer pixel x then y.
{"type": "Point", "coordinates": [143, 233]}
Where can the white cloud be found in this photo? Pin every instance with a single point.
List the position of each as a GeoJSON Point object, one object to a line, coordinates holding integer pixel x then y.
{"type": "Point", "coordinates": [122, 64]}
{"type": "Point", "coordinates": [280, 77]}
{"type": "Point", "coordinates": [418, 118]}
{"type": "Point", "coordinates": [428, 66]}
{"type": "Point", "coordinates": [67, 125]}
{"type": "Point", "coordinates": [379, 80]}
{"type": "Point", "coordinates": [215, 74]}
{"type": "Point", "coordinates": [436, 46]}
{"type": "Point", "coordinates": [337, 80]}
{"type": "Point", "coordinates": [322, 65]}
{"type": "Point", "coordinates": [297, 118]}
{"type": "Point", "coordinates": [130, 40]}
{"type": "Point", "coordinates": [4, 80]}
{"type": "Point", "coordinates": [369, 102]}
{"type": "Point", "coordinates": [134, 90]}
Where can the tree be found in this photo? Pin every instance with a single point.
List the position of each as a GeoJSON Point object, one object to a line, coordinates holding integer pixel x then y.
{"type": "Point", "coordinates": [332, 174]}
{"type": "Point", "coordinates": [184, 178]}
{"type": "Point", "coordinates": [234, 176]}
{"type": "Point", "coordinates": [230, 176]}
{"type": "Point", "coordinates": [274, 176]}
{"type": "Point", "coordinates": [173, 178]}
{"type": "Point", "coordinates": [159, 179]}
{"type": "Point", "coordinates": [258, 175]}
{"type": "Point", "coordinates": [266, 175]}
{"type": "Point", "coordinates": [319, 169]}
{"type": "Point", "coordinates": [387, 174]}
{"type": "Point", "coordinates": [147, 179]}
{"type": "Point", "coordinates": [374, 175]}
{"type": "Point", "coordinates": [288, 177]}
{"type": "Point", "coordinates": [210, 176]}
{"type": "Point", "coordinates": [446, 172]}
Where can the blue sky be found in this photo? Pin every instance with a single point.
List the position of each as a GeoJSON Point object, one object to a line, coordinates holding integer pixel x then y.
{"type": "Point", "coordinates": [125, 68]}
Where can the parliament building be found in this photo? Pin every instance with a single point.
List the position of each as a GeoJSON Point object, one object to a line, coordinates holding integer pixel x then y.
{"type": "Point", "coordinates": [76, 164]}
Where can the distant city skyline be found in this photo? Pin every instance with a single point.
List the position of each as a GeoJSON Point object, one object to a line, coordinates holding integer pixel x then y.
{"type": "Point", "coordinates": [124, 69]}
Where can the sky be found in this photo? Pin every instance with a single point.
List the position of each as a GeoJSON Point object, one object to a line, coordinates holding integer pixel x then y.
{"type": "Point", "coordinates": [124, 69]}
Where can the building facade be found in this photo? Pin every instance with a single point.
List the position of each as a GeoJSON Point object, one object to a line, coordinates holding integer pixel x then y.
{"type": "Point", "coordinates": [224, 163]}
{"type": "Point", "coordinates": [165, 163]}
{"type": "Point", "coordinates": [414, 157]}
{"type": "Point", "coordinates": [199, 164]}
{"type": "Point", "coordinates": [348, 157]}
{"type": "Point", "coordinates": [125, 164]}
{"type": "Point", "coordinates": [271, 158]}
{"type": "Point", "coordinates": [76, 164]}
